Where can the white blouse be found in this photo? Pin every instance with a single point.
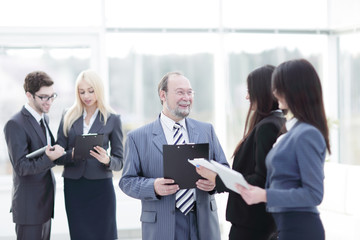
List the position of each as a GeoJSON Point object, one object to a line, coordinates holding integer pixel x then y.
{"type": "Point", "coordinates": [86, 128]}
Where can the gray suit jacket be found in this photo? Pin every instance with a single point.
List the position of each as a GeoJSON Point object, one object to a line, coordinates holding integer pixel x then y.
{"type": "Point", "coordinates": [295, 170]}
{"type": "Point", "coordinates": [144, 163]}
{"type": "Point", "coordinates": [33, 181]}
{"type": "Point", "coordinates": [92, 168]}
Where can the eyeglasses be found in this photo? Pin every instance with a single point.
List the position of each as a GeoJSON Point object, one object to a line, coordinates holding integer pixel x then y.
{"type": "Point", "coordinates": [46, 98]}
{"type": "Point", "coordinates": [182, 93]}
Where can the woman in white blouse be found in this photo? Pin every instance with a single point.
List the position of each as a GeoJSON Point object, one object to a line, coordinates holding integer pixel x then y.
{"type": "Point", "coordinates": [88, 188]}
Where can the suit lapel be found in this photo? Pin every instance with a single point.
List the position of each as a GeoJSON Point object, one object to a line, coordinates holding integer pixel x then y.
{"type": "Point", "coordinates": [35, 125]}
{"type": "Point", "coordinates": [192, 132]}
{"type": "Point", "coordinates": [159, 136]}
{"type": "Point", "coordinates": [97, 125]}
{"type": "Point", "coordinates": [78, 126]}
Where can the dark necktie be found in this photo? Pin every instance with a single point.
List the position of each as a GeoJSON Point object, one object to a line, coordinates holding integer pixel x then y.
{"type": "Point", "coordinates": [42, 125]}
{"type": "Point", "coordinates": [185, 199]}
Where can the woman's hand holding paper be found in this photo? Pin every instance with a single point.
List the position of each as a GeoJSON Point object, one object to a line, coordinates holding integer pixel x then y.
{"type": "Point", "coordinates": [253, 195]}
{"type": "Point", "coordinates": [206, 173]}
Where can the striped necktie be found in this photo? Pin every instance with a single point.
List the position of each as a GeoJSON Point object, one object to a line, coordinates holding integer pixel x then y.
{"type": "Point", "coordinates": [185, 198]}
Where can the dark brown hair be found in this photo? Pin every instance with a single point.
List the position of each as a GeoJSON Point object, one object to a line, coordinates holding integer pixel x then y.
{"type": "Point", "coordinates": [298, 82]}
{"type": "Point", "coordinates": [35, 80]}
{"type": "Point", "coordinates": [260, 94]}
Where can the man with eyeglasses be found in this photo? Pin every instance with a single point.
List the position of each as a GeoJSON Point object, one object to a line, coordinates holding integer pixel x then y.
{"type": "Point", "coordinates": [33, 181]}
{"type": "Point", "coordinates": [167, 212]}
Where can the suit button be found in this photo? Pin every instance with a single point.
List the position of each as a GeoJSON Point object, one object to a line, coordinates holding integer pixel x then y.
{"type": "Point", "coordinates": [173, 212]}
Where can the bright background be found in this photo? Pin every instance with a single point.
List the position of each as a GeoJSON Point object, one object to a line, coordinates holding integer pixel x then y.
{"type": "Point", "coordinates": [215, 43]}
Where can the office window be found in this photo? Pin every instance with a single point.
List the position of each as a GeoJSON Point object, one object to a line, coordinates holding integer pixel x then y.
{"type": "Point", "coordinates": [162, 13]}
{"type": "Point", "coordinates": [249, 51]}
{"type": "Point", "coordinates": [343, 13]}
{"type": "Point", "coordinates": [54, 13]}
{"type": "Point", "coordinates": [63, 65]}
{"type": "Point", "coordinates": [294, 14]}
{"type": "Point", "coordinates": [349, 99]}
{"type": "Point", "coordinates": [138, 62]}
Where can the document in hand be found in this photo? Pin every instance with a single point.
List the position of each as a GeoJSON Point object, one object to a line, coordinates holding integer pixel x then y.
{"type": "Point", "coordinates": [176, 165]}
{"type": "Point", "coordinates": [36, 153]}
{"type": "Point", "coordinates": [229, 176]}
{"type": "Point", "coordinates": [86, 142]}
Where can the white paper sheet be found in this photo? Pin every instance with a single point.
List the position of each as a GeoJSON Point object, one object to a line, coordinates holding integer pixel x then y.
{"type": "Point", "coordinates": [202, 162]}
{"type": "Point", "coordinates": [229, 176]}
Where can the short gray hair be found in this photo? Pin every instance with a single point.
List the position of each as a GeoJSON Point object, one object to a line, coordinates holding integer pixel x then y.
{"type": "Point", "coordinates": [163, 84]}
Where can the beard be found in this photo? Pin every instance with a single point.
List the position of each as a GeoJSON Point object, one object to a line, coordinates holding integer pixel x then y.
{"type": "Point", "coordinates": [40, 108]}
{"type": "Point", "coordinates": [179, 113]}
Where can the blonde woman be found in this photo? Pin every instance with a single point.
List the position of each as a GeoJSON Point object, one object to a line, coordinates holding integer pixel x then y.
{"type": "Point", "coordinates": [88, 188]}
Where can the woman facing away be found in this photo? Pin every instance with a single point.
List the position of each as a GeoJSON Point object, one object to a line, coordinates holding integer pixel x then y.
{"type": "Point", "coordinates": [294, 186]}
{"type": "Point", "coordinates": [263, 125]}
{"type": "Point", "coordinates": [88, 187]}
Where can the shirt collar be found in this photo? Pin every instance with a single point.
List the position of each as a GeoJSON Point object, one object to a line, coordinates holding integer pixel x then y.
{"type": "Point", "coordinates": [93, 116]}
{"type": "Point", "coordinates": [291, 123]}
{"type": "Point", "coordinates": [34, 113]}
{"type": "Point", "coordinates": [169, 123]}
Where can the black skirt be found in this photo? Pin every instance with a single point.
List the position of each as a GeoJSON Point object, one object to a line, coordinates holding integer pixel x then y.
{"type": "Point", "coordinates": [90, 208]}
{"type": "Point", "coordinates": [299, 226]}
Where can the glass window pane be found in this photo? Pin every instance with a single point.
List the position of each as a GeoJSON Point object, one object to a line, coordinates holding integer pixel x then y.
{"type": "Point", "coordinates": [54, 13]}
{"type": "Point", "coordinates": [137, 63]}
{"type": "Point", "coordinates": [349, 99]}
{"type": "Point", "coordinates": [275, 14]}
{"type": "Point", "coordinates": [246, 52]}
{"type": "Point", "coordinates": [344, 13]}
{"type": "Point", "coordinates": [162, 13]}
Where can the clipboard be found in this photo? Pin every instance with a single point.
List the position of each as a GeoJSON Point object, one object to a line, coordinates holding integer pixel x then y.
{"type": "Point", "coordinates": [86, 142]}
{"type": "Point", "coordinates": [176, 165]}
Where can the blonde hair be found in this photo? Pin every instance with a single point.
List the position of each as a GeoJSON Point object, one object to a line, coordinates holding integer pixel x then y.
{"type": "Point", "coordinates": [77, 109]}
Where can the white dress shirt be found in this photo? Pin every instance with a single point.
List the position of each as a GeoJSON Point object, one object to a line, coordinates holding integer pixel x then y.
{"type": "Point", "coordinates": [38, 117]}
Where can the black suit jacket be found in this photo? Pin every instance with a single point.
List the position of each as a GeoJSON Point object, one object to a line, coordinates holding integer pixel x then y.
{"type": "Point", "coordinates": [250, 161]}
{"type": "Point", "coordinates": [92, 168]}
{"type": "Point", "coordinates": [33, 181]}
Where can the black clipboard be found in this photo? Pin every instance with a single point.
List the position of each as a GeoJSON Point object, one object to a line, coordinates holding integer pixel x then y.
{"type": "Point", "coordinates": [86, 142]}
{"type": "Point", "coordinates": [176, 165]}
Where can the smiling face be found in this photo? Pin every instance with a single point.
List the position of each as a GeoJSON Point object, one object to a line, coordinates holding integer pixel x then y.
{"type": "Point", "coordinates": [87, 95]}
{"type": "Point", "coordinates": [177, 101]}
{"type": "Point", "coordinates": [41, 105]}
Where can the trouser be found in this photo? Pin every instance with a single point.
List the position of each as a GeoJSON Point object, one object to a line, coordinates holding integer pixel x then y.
{"type": "Point", "coordinates": [186, 226]}
{"type": "Point", "coordinates": [33, 232]}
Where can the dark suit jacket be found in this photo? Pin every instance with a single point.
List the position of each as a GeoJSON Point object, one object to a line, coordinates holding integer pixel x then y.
{"type": "Point", "coordinates": [92, 168]}
{"type": "Point", "coordinates": [144, 163]}
{"type": "Point", "coordinates": [33, 181]}
{"type": "Point", "coordinates": [250, 161]}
